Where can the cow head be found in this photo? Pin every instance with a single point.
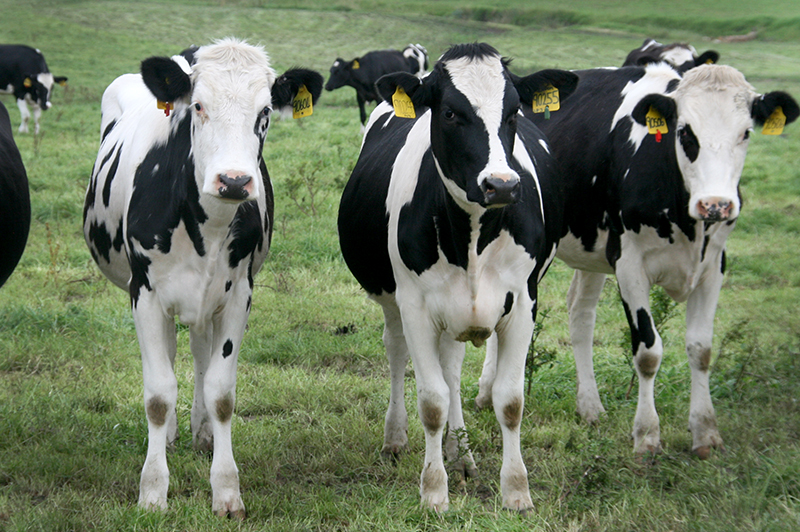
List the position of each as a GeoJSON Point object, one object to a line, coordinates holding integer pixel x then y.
{"type": "Point", "coordinates": [474, 103]}
{"type": "Point", "coordinates": [713, 111]}
{"type": "Point", "coordinates": [229, 94]}
{"type": "Point", "coordinates": [39, 88]}
{"type": "Point", "coordinates": [341, 73]}
{"type": "Point", "coordinates": [681, 56]}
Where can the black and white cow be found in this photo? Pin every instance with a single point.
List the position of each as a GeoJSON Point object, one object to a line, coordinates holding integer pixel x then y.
{"type": "Point", "coordinates": [448, 221]}
{"type": "Point", "coordinates": [362, 72]}
{"type": "Point", "coordinates": [179, 213]}
{"type": "Point", "coordinates": [652, 213]}
{"type": "Point", "coordinates": [24, 73]}
{"type": "Point", "coordinates": [15, 202]}
{"type": "Point", "coordinates": [679, 55]}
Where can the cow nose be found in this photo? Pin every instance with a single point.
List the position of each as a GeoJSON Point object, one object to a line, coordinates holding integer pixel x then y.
{"type": "Point", "coordinates": [500, 190]}
{"type": "Point", "coordinates": [714, 209]}
{"type": "Point", "coordinates": [234, 187]}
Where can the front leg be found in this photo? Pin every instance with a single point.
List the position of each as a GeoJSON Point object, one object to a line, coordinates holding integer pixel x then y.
{"type": "Point", "coordinates": [508, 399]}
{"type": "Point", "coordinates": [700, 309]}
{"type": "Point", "coordinates": [395, 429]}
{"type": "Point", "coordinates": [362, 108]}
{"type": "Point", "coordinates": [156, 333]}
{"type": "Point", "coordinates": [24, 114]}
{"type": "Point", "coordinates": [201, 344]}
{"type": "Point", "coordinates": [457, 451]}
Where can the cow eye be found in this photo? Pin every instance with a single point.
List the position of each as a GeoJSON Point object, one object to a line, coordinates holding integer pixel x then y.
{"type": "Point", "coordinates": [198, 107]}
{"type": "Point", "coordinates": [746, 135]}
{"type": "Point", "coordinates": [449, 115]}
{"type": "Point", "coordinates": [265, 112]}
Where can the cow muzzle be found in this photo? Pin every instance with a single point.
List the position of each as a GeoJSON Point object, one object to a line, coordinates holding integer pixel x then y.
{"type": "Point", "coordinates": [234, 186]}
{"type": "Point", "coordinates": [715, 209]}
{"type": "Point", "coordinates": [500, 189]}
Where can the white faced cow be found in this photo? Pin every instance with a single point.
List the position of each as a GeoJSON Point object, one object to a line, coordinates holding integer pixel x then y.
{"type": "Point", "coordinates": [179, 213]}
{"type": "Point", "coordinates": [15, 201]}
{"type": "Point", "coordinates": [652, 213]}
{"type": "Point", "coordinates": [448, 221]}
{"type": "Point", "coordinates": [681, 56]}
{"type": "Point", "coordinates": [24, 73]}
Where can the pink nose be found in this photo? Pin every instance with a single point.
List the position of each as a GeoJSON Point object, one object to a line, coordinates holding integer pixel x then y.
{"type": "Point", "coordinates": [234, 185]}
{"type": "Point", "coordinates": [714, 209]}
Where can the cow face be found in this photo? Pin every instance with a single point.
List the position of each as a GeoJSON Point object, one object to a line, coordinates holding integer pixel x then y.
{"type": "Point", "coordinates": [341, 72]}
{"type": "Point", "coordinates": [38, 89]}
{"type": "Point", "coordinates": [228, 94]}
{"type": "Point", "coordinates": [474, 103]}
{"type": "Point", "coordinates": [713, 111]}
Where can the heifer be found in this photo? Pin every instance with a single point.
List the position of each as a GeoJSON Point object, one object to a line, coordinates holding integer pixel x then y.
{"type": "Point", "coordinates": [362, 72]}
{"type": "Point", "coordinates": [679, 55]}
{"type": "Point", "coordinates": [24, 73]}
{"type": "Point", "coordinates": [179, 213]}
{"type": "Point", "coordinates": [652, 209]}
{"type": "Point", "coordinates": [15, 202]}
{"type": "Point", "coordinates": [448, 221]}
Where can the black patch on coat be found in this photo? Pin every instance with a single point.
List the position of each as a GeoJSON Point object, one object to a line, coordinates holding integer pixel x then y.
{"type": "Point", "coordinates": [508, 303]}
{"type": "Point", "coordinates": [112, 172]}
{"type": "Point", "coordinates": [15, 203]}
{"type": "Point", "coordinates": [227, 349]}
{"type": "Point", "coordinates": [689, 142]}
{"type": "Point", "coordinates": [228, 285]}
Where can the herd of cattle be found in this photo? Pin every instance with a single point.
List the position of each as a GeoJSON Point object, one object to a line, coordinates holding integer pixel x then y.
{"type": "Point", "coordinates": [470, 181]}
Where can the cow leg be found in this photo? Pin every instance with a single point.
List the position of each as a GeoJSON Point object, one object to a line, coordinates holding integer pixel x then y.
{"type": "Point", "coordinates": [457, 451]}
{"type": "Point", "coordinates": [433, 404]}
{"type": "Point", "coordinates": [700, 309]}
{"type": "Point", "coordinates": [508, 400]}
{"type": "Point", "coordinates": [37, 113]}
{"type": "Point", "coordinates": [395, 428]}
{"type": "Point", "coordinates": [219, 391]}
{"type": "Point", "coordinates": [202, 433]}
{"type": "Point", "coordinates": [647, 353]}
{"type": "Point", "coordinates": [488, 374]}
{"type": "Point", "coordinates": [156, 333]}
{"type": "Point", "coordinates": [582, 298]}
{"type": "Point", "coordinates": [24, 114]}
{"type": "Point", "coordinates": [361, 108]}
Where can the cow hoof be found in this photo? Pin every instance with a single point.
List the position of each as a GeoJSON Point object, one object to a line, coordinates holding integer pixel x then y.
{"type": "Point", "coordinates": [483, 401]}
{"type": "Point", "coordinates": [232, 514]}
{"type": "Point", "coordinates": [703, 452]}
{"type": "Point", "coordinates": [203, 445]}
{"type": "Point", "coordinates": [393, 451]}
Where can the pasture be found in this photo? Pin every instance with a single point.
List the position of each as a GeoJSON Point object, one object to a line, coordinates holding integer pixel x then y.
{"type": "Point", "coordinates": [313, 379]}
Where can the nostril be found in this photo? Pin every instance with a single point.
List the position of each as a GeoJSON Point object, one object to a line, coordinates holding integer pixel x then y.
{"type": "Point", "coordinates": [234, 187]}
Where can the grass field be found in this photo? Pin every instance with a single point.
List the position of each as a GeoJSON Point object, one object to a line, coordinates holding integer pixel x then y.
{"type": "Point", "coordinates": [313, 382]}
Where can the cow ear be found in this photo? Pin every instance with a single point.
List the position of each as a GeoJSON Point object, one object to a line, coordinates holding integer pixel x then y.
{"type": "Point", "coordinates": [287, 86]}
{"type": "Point", "coordinates": [764, 105]}
{"type": "Point", "coordinates": [665, 105]}
{"type": "Point", "coordinates": [166, 79]}
{"type": "Point", "coordinates": [707, 57]}
{"type": "Point", "coordinates": [387, 85]}
{"type": "Point", "coordinates": [566, 83]}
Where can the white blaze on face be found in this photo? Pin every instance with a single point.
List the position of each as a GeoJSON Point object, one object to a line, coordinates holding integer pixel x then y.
{"type": "Point", "coordinates": [482, 82]}
{"type": "Point", "coordinates": [715, 101]}
{"type": "Point", "coordinates": [46, 79]}
{"type": "Point", "coordinates": [232, 85]}
{"type": "Point", "coordinates": [679, 55]}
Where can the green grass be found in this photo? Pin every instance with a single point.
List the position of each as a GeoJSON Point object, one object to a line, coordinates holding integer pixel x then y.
{"type": "Point", "coordinates": [313, 383]}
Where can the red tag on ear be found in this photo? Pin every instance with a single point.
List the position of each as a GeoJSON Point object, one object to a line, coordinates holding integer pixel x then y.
{"type": "Point", "coordinates": [167, 107]}
{"type": "Point", "coordinates": [658, 136]}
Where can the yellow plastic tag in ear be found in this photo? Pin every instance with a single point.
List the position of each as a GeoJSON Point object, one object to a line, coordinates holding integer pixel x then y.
{"type": "Point", "coordinates": [655, 122]}
{"type": "Point", "coordinates": [546, 100]}
{"type": "Point", "coordinates": [774, 124]}
{"type": "Point", "coordinates": [62, 83]}
{"type": "Point", "coordinates": [709, 61]}
{"type": "Point", "coordinates": [302, 105]}
{"type": "Point", "coordinates": [403, 107]}
{"type": "Point", "coordinates": [27, 83]}
{"type": "Point", "coordinates": [356, 65]}
{"type": "Point", "coordinates": [164, 106]}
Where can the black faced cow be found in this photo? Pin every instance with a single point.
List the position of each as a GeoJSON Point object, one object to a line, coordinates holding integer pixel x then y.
{"type": "Point", "coordinates": [448, 221]}
{"type": "Point", "coordinates": [179, 213]}
{"type": "Point", "coordinates": [15, 203]}
{"type": "Point", "coordinates": [652, 209]}
{"type": "Point", "coordinates": [24, 72]}
{"type": "Point", "coordinates": [679, 55]}
{"type": "Point", "coordinates": [362, 72]}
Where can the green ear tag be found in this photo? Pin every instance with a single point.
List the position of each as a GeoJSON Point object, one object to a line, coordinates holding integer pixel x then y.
{"type": "Point", "coordinates": [547, 112]}
{"type": "Point", "coordinates": [774, 124]}
{"type": "Point", "coordinates": [302, 104]}
{"type": "Point", "coordinates": [403, 107]}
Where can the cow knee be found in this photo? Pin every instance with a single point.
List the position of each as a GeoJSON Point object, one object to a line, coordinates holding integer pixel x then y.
{"type": "Point", "coordinates": [157, 409]}
{"type": "Point", "coordinates": [647, 363]}
{"type": "Point", "coordinates": [699, 356]}
{"type": "Point", "coordinates": [512, 413]}
{"type": "Point", "coordinates": [432, 416]}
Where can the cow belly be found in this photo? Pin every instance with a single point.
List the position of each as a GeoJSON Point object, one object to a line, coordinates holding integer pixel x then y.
{"type": "Point", "coordinates": [572, 251]}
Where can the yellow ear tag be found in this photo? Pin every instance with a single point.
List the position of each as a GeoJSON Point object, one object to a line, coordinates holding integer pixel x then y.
{"type": "Point", "coordinates": [62, 83]}
{"type": "Point", "coordinates": [164, 106]}
{"type": "Point", "coordinates": [302, 105]}
{"type": "Point", "coordinates": [546, 100]}
{"type": "Point", "coordinates": [709, 61]}
{"type": "Point", "coordinates": [655, 122]}
{"type": "Point", "coordinates": [356, 65]}
{"type": "Point", "coordinates": [27, 83]}
{"type": "Point", "coordinates": [775, 122]}
{"type": "Point", "coordinates": [403, 107]}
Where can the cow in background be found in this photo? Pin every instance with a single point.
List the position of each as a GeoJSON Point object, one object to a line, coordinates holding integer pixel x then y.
{"type": "Point", "coordinates": [179, 214]}
{"type": "Point", "coordinates": [449, 221]}
{"type": "Point", "coordinates": [362, 72]}
{"type": "Point", "coordinates": [679, 55]}
{"type": "Point", "coordinates": [24, 73]}
{"type": "Point", "coordinates": [15, 202]}
{"type": "Point", "coordinates": [651, 162]}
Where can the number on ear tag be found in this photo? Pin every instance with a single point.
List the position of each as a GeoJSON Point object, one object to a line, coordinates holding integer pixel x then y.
{"type": "Point", "coordinates": [403, 107]}
{"type": "Point", "coordinates": [302, 104]}
{"type": "Point", "coordinates": [546, 100]}
{"type": "Point", "coordinates": [774, 124]}
{"type": "Point", "coordinates": [656, 123]}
